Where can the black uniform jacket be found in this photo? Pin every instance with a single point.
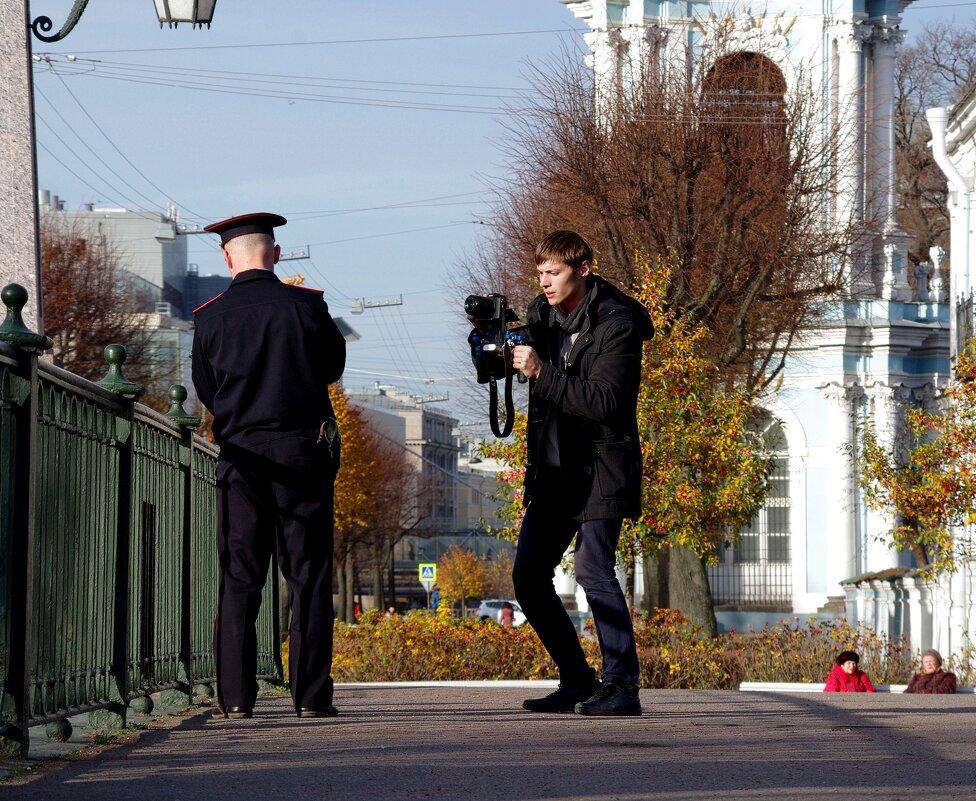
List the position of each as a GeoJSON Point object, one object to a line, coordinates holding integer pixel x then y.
{"type": "Point", "coordinates": [594, 397]}
{"type": "Point", "coordinates": [264, 354]}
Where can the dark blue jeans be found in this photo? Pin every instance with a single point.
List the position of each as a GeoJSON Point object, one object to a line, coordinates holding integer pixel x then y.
{"type": "Point", "coordinates": [544, 537]}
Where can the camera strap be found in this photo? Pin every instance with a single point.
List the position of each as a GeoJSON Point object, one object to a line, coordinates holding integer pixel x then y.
{"type": "Point", "coordinates": [493, 406]}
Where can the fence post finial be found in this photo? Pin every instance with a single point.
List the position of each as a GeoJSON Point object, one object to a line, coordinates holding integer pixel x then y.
{"type": "Point", "coordinates": [114, 380]}
{"type": "Point", "coordinates": [12, 329]}
{"type": "Point", "coordinates": [176, 412]}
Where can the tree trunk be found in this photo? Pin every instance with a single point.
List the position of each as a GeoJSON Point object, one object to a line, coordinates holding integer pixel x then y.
{"type": "Point", "coordinates": [391, 567]}
{"type": "Point", "coordinates": [917, 549]}
{"type": "Point", "coordinates": [379, 596]}
{"type": "Point", "coordinates": [350, 594]}
{"type": "Point", "coordinates": [689, 590]}
{"type": "Point", "coordinates": [340, 571]}
{"type": "Point", "coordinates": [656, 567]}
{"type": "Point", "coordinates": [921, 557]}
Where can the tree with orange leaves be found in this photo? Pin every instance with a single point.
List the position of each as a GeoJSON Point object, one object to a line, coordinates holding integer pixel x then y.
{"type": "Point", "coordinates": [359, 474]}
{"type": "Point", "coordinates": [460, 575]}
{"type": "Point", "coordinates": [705, 475]}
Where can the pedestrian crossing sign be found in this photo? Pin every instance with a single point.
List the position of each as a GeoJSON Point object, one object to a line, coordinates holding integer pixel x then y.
{"type": "Point", "coordinates": [428, 571]}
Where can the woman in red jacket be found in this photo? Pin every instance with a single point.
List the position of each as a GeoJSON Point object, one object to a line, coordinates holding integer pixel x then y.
{"type": "Point", "coordinates": [933, 680]}
{"type": "Point", "coordinates": [847, 677]}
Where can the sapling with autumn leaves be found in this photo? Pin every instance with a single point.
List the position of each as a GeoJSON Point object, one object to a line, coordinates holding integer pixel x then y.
{"type": "Point", "coordinates": [926, 480]}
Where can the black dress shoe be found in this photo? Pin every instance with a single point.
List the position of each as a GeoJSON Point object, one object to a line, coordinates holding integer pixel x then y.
{"type": "Point", "coordinates": [611, 699]}
{"type": "Point", "coordinates": [232, 712]}
{"type": "Point", "coordinates": [563, 699]}
{"type": "Point", "coordinates": [318, 712]}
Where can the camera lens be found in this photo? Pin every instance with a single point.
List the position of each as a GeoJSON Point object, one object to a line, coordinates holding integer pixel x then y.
{"type": "Point", "coordinates": [479, 307]}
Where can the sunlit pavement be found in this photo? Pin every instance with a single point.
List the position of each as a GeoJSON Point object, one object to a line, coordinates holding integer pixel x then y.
{"type": "Point", "coordinates": [475, 743]}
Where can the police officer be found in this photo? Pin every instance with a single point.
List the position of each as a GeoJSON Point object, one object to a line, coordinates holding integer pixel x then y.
{"type": "Point", "coordinates": [264, 354]}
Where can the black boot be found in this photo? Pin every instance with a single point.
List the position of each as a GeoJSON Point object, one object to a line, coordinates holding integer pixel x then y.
{"type": "Point", "coordinates": [563, 699]}
{"type": "Point", "coordinates": [611, 699]}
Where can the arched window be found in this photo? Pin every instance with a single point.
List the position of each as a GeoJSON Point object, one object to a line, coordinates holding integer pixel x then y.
{"type": "Point", "coordinates": [756, 572]}
{"type": "Point", "coordinates": [743, 112]}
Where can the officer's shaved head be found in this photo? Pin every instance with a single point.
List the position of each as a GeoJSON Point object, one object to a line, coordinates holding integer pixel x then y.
{"type": "Point", "coordinates": [251, 252]}
{"type": "Point", "coordinates": [251, 243]}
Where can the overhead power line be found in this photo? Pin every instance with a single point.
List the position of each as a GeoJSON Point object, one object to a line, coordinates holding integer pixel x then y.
{"type": "Point", "coordinates": [283, 94]}
{"type": "Point", "coordinates": [116, 148]}
{"type": "Point", "coordinates": [327, 42]}
{"type": "Point", "coordinates": [390, 233]}
{"type": "Point", "coordinates": [274, 79]}
{"type": "Point", "coordinates": [68, 127]}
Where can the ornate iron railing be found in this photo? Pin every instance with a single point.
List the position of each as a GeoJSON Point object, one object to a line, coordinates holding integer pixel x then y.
{"type": "Point", "coordinates": [964, 322]}
{"type": "Point", "coordinates": [108, 567]}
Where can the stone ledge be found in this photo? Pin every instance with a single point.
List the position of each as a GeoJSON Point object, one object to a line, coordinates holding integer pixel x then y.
{"type": "Point", "coordinates": [817, 687]}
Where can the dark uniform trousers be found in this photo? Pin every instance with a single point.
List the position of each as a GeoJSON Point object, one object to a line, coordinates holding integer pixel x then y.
{"type": "Point", "coordinates": [547, 531]}
{"type": "Point", "coordinates": [275, 498]}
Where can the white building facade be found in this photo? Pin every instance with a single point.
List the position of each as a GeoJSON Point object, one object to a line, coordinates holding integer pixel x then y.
{"type": "Point", "coordinates": [885, 345]}
{"type": "Point", "coordinates": [948, 606]}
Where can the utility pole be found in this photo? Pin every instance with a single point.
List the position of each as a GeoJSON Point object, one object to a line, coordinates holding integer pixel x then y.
{"type": "Point", "coordinates": [359, 305]}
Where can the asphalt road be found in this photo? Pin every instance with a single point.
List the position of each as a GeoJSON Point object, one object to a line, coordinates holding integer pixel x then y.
{"type": "Point", "coordinates": [475, 743]}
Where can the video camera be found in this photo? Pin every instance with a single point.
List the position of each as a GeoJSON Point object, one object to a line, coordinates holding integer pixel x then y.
{"type": "Point", "coordinates": [488, 341]}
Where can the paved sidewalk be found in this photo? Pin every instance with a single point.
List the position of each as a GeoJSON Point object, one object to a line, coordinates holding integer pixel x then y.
{"type": "Point", "coordinates": [476, 744]}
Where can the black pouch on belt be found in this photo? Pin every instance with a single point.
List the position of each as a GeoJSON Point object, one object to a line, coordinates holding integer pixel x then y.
{"type": "Point", "coordinates": [331, 440]}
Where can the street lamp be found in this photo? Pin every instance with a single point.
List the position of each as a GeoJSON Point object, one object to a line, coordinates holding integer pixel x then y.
{"type": "Point", "coordinates": [196, 12]}
{"type": "Point", "coordinates": [170, 12]}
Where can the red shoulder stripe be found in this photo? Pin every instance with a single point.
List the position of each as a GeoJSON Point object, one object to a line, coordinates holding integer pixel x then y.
{"type": "Point", "coordinates": [204, 305]}
{"type": "Point", "coordinates": [310, 289]}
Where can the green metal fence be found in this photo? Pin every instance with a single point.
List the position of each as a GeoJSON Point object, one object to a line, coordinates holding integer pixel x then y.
{"type": "Point", "coordinates": [108, 567]}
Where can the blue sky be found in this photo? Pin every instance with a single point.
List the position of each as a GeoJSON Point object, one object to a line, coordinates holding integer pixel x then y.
{"type": "Point", "coordinates": [372, 125]}
{"type": "Point", "coordinates": [405, 130]}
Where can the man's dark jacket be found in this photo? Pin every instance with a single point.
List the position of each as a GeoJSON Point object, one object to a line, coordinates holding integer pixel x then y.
{"type": "Point", "coordinates": [593, 400]}
{"type": "Point", "coordinates": [264, 354]}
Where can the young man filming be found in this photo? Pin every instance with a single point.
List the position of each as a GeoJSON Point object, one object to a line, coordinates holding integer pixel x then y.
{"type": "Point", "coordinates": [583, 361]}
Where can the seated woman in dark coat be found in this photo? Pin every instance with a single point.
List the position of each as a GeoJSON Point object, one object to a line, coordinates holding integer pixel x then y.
{"type": "Point", "coordinates": [933, 680]}
{"type": "Point", "coordinates": [847, 677]}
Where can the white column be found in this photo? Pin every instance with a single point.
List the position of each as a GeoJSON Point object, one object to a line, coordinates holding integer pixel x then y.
{"type": "Point", "coordinates": [968, 571]}
{"type": "Point", "coordinates": [608, 49]}
{"type": "Point", "coordinates": [840, 540]}
{"type": "Point", "coordinates": [848, 98]}
{"type": "Point", "coordinates": [959, 612]}
{"type": "Point", "coordinates": [799, 533]}
{"type": "Point", "coordinates": [19, 252]}
{"type": "Point", "coordinates": [885, 39]}
{"type": "Point", "coordinates": [941, 601]}
{"type": "Point", "coordinates": [888, 421]}
{"type": "Point", "coordinates": [849, 38]}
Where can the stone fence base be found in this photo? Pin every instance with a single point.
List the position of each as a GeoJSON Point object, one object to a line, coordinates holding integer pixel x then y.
{"type": "Point", "coordinates": [928, 613]}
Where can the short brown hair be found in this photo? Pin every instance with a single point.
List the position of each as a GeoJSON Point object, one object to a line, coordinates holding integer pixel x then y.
{"type": "Point", "coordinates": [565, 246]}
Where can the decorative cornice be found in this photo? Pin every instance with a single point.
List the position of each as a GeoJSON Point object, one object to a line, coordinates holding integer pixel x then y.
{"type": "Point", "coordinates": [842, 395]}
{"type": "Point", "coordinates": [890, 35]}
{"type": "Point", "coordinates": [853, 35]}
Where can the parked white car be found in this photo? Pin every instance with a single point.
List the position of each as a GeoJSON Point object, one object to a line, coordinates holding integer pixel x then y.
{"type": "Point", "coordinates": [491, 609]}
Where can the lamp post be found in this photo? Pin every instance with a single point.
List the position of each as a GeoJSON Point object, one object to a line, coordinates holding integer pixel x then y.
{"type": "Point", "coordinates": [170, 12]}
{"type": "Point", "coordinates": [19, 239]}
